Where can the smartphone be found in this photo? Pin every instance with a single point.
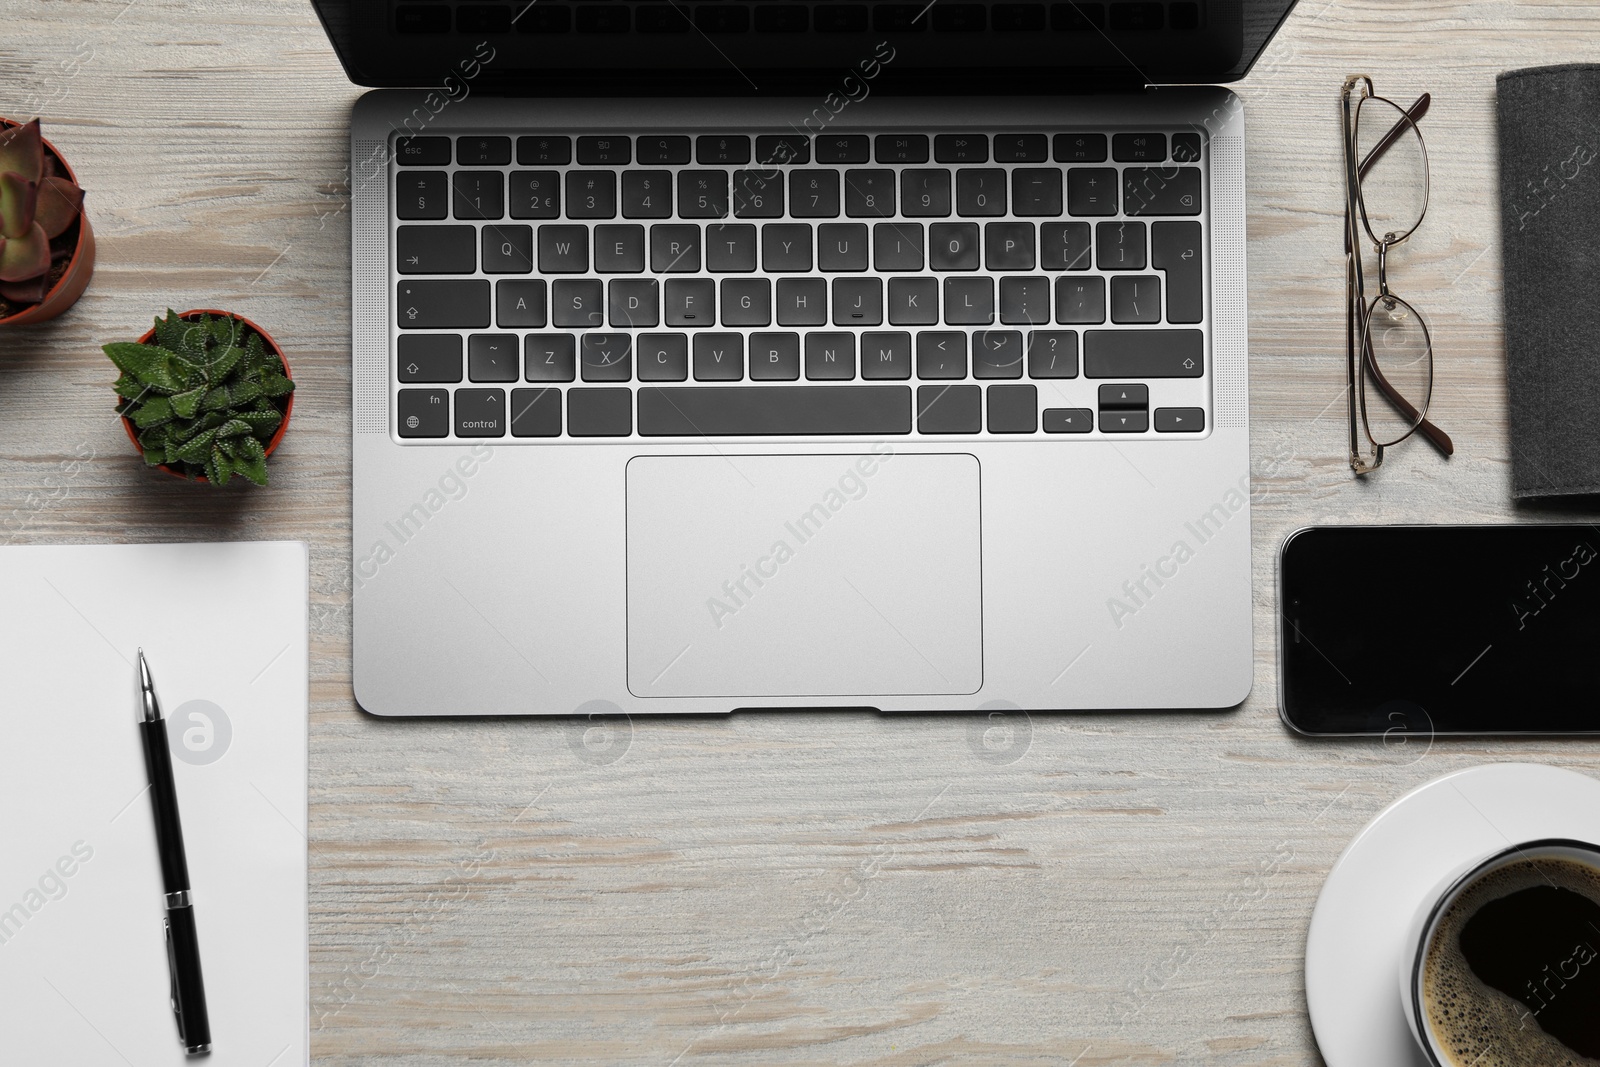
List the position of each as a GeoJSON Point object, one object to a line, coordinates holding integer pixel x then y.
{"type": "Point", "coordinates": [1440, 629]}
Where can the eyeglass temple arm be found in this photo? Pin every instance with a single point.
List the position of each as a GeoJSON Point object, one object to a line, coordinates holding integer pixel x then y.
{"type": "Point", "coordinates": [1415, 112]}
{"type": "Point", "coordinates": [1440, 439]}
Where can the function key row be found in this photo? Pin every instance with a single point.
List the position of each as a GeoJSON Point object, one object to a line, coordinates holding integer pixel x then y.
{"type": "Point", "coordinates": [795, 149]}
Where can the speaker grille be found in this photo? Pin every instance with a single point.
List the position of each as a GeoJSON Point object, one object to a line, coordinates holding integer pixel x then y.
{"type": "Point", "coordinates": [369, 261]}
{"type": "Point", "coordinates": [1230, 343]}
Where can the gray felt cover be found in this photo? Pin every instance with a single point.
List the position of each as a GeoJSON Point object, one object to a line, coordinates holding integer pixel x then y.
{"type": "Point", "coordinates": [1550, 229]}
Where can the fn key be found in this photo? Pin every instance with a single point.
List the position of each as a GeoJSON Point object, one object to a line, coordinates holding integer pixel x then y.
{"type": "Point", "coordinates": [423, 412]}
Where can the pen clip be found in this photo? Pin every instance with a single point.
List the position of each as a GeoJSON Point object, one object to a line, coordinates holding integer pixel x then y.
{"type": "Point", "coordinates": [172, 977]}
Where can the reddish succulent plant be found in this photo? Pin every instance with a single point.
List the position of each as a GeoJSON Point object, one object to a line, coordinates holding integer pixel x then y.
{"type": "Point", "coordinates": [37, 204]}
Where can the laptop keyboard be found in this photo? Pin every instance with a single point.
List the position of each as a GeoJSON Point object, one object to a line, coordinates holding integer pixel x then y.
{"type": "Point", "coordinates": [553, 287]}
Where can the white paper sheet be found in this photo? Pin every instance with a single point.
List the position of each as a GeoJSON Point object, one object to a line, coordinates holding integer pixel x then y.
{"type": "Point", "coordinates": [83, 966]}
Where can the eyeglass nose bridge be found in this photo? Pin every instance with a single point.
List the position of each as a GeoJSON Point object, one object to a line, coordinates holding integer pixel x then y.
{"type": "Point", "coordinates": [1388, 242]}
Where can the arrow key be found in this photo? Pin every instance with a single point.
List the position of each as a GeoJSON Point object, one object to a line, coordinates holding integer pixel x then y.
{"type": "Point", "coordinates": [1180, 420]}
{"type": "Point", "coordinates": [1124, 396]}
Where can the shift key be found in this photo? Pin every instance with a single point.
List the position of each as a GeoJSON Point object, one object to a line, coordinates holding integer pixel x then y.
{"type": "Point", "coordinates": [1135, 354]}
{"type": "Point", "coordinates": [455, 304]}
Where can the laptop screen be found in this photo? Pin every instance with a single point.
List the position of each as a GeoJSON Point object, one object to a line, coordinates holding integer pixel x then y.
{"type": "Point", "coordinates": [773, 47]}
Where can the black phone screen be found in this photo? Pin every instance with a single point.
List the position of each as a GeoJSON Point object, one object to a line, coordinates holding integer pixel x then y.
{"type": "Point", "coordinates": [1440, 629]}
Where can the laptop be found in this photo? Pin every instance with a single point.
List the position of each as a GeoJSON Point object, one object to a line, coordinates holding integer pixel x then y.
{"type": "Point", "coordinates": [758, 354]}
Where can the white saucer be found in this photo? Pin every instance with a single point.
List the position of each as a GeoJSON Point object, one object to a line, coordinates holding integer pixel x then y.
{"type": "Point", "coordinates": [1353, 949]}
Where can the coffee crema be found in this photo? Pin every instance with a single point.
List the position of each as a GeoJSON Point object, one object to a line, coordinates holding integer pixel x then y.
{"type": "Point", "coordinates": [1512, 977]}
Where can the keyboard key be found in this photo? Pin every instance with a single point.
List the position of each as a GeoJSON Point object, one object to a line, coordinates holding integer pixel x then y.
{"type": "Point", "coordinates": [842, 246]}
{"type": "Point", "coordinates": [1008, 245]}
{"type": "Point", "coordinates": [507, 249]}
{"type": "Point", "coordinates": [647, 194]}
{"type": "Point", "coordinates": [445, 304]}
{"type": "Point", "coordinates": [591, 194]}
{"type": "Point", "coordinates": [605, 357]}
{"type": "Point", "coordinates": [900, 148]}
{"type": "Point", "coordinates": [1143, 354]}
{"type": "Point", "coordinates": [519, 302]}
{"type": "Point", "coordinates": [718, 357]}
{"type": "Point", "coordinates": [436, 249]}
{"type": "Point", "coordinates": [758, 411]}
{"type": "Point", "coordinates": [949, 408]}
{"type": "Point", "coordinates": [1018, 18]}
{"type": "Point", "coordinates": [422, 18]}
{"type": "Point", "coordinates": [691, 302]}
{"type": "Point", "coordinates": [1124, 396]}
{"type": "Point", "coordinates": [428, 357]}
{"type": "Point", "coordinates": [1052, 354]}
{"type": "Point", "coordinates": [483, 18]}
{"type": "Point", "coordinates": [1161, 190]}
{"type": "Point", "coordinates": [563, 249]}
{"type": "Point", "coordinates": [535, 413]}
{"type": "Point", "coordinates": [1137, 15]}
{"type": "Point", "coordinates": [421, 194]}
{"type": "Point", "coordinates": [746, 302]}
{"type": "Point", "coordinates": [675, 249]}
{"type": "Point", "coordinates": [731, 248]}
{"type": "Point", "coordinates": [961, 148]}
{"type": "Point", "coordinates": [843, 148]}
{"type": "Point", "coordinates": [757, 194]}
{"type": "Point", "coordinates": [782, 18]}
{"type": "Point", "coordinates": [546, 151]}
{"type": "Point", "coordinates": [599, 412]}
{"type": "Point", "coordinates": [897, 246]}
{"type": "Point", "coordinates": [783, 149]}
{"type": "Point", "coordinates": [1079, 148]}
{"type": "Point", "coordinates": [663, 357]}
{"type": "Point", "coordinates": [1021, 148]}
{"type": "Point", "coordinates": [577, 303]}
{"type": "Point", "coordinates": [1175, 248]}
{"type": "Point", "coordinates": [549, 357]}
{"type": "Point", "coordinates": [535, 194]}
{"type": "Point", "coordinates": [494, 357]}
{"type": "Point", "coordinates": [830, 357]}
{"type": "Point", "coordinates": [913, 301]}
{"type": "Point", "coordinates": [1136, 298]}
{"type": "Point", "coordinates": [774, 357]}
{"type": "Point", "coordinates": [997, 354]}
{"type": "Point", "coordinates": [1139, 147]}
{"type": "Point", "coordinates": [1081, 300]}
{"type": "Point", "coordinates": [1120, 245]}
{"type": "Point", "coordinates": [608, 151]}
{"type": "Point", "coordinates": [1185, 149]}
{"type": "Point", "coordinates": [618, 249]}
{"type": "Point", "coordinates": [661, 18]}
{"type": "Point", "coordinates": [714, 18]}
{"type": "Point", "coordinates": [672, 151]}
{"type": "Point", "coordinates": [1025, 301]}
{"type": "Point", "coordinates": [1013, 408]}
{"type": "Point", "coordinates": [483, 151]}
{"type": "Point", "coordinates": [1116, 421]}
{"type": "Point", "coordinates": [480, 413]}
{"type": "Point", "coordinates": [1180, 420]}
{"type": "Point", "coordinates": [941, 354]}
{"type": "Point", "coordinates": [479, 194]}
{"type": "Point", "coordinates": [423, 412]}
{"type": "Point", "coordinates": [814, 194]}
{"type": "Point", "coordinates": [633, 303]}
{"type": "Point", "coordinates": [857, 302]}
{"type": "Point", "coordinates": [1064, 246]}
{"type": "Point", "coordinates": [969, 301]}
{"type": "Point", "coordinates": [980, 192]}
{"type": "Point", "coordinates": [958, 18]}
{"type": "Point", "coordinates": [1091, 191]}
{"type": "Point", "coordinates": [869, 194]}
{"type": "Point", "coordinates": [953, 246]}
{"type": "Point", "coordinates": [721, 148]}
{"type": "Point", "coordinates": [1068, 420]}
{"type": "Point", "coordinates": [702, 194]}
{"type": "Point", "coordinates": [925, 193]}
{"type": "Point", "coordinates": [422, 151]}
{"type": "Point", "coordinates": [886, 356]}
{"type": "Point", "coordinates": [1036, 191]}
{"type": "Point", "coordinates": [786, 247]}
{"type": "Point", "coordinates": [851, 18]}
{"type": "Point", "coordinates": [802, 301]}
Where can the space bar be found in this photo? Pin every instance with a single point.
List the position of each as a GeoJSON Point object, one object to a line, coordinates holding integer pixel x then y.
{"type": "Point", "coordinates": [797, 410]}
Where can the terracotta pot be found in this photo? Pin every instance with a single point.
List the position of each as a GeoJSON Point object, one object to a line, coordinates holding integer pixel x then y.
{"type": "Point", "coordinates": [266, 339]}
{"type": "Point", "coordinates": [80, 268]}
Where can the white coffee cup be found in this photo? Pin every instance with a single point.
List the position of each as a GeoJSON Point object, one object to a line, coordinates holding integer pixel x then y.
{"type": "Point", "coordinates": [1436, 903]}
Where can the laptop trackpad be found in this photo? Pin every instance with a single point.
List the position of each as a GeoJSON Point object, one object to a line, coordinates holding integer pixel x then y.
{"type": "Point", "coordinates": [804, 576]}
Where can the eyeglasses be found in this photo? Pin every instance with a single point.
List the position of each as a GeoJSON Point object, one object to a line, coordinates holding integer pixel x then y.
{"type": "Point", "coordinates": [1388, 349]}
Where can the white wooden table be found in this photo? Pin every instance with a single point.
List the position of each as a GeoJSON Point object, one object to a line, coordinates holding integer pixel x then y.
{"type": "Point", "coordinates": [773, 888]}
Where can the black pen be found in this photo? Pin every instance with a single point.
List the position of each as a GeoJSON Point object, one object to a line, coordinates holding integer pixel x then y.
{"type": "Point", "coordinates": [183, 944]}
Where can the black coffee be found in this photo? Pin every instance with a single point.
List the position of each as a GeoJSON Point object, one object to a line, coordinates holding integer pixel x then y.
{"type": "Point", "coordinates": [1512, 977]}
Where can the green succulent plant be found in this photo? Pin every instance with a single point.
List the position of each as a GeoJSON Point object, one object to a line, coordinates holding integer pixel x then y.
{"type": "Point", "coordinates": [205, 397]}
{"type": "Point", "coordinates": [37, 205]}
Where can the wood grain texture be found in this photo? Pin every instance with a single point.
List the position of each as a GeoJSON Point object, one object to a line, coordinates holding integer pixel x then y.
{"type": "Point", "coordinates": [773, 889]}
